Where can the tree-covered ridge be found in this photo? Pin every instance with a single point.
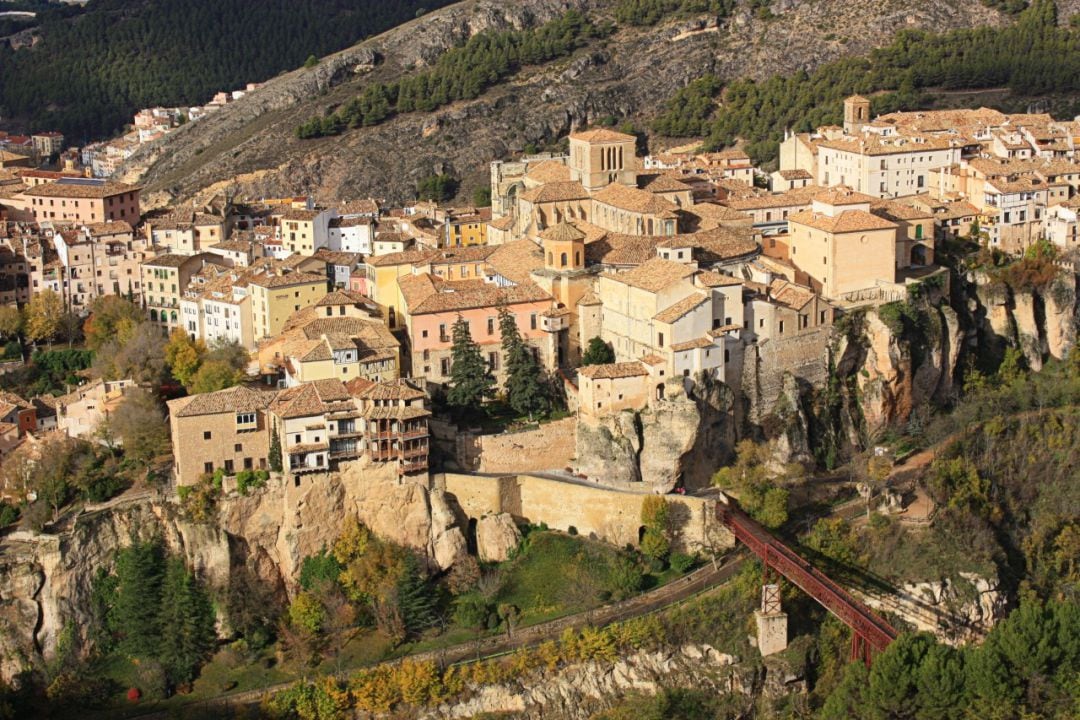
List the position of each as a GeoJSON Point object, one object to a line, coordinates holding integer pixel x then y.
{"type": "Point", "coordinates": [461, 73]}
{"type": "Point", "coordinates": [1031, 56]}
{"type": "Point", "coordinates": [650, 12]}
{"type": "Point", "coordinates": [90, 73]}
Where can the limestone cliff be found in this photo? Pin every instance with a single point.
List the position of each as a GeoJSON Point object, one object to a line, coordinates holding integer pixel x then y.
{"type": "Point", "coordinates": [46, 579]}
{"type": "Point", "coordinates": [579, 691]}
{"type": "Point", "coordinates": [679, 440]}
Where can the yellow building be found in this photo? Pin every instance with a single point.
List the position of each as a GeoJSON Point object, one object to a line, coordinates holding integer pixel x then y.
{"type": "Point", "coordinates": [841, 245]}
{"type": "Point", "coordinates": [462, 228]}
{"type": "Point", "coordinates": [383, 272]}
{"type": "Point", "coordinates": [276, 295]}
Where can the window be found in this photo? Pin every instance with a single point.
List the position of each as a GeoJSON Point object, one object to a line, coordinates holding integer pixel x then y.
{"type": "Point", "coordinates": [493, 361]}
{"type": "Point", "coordinates": [238, 447]}
{"type": "Point", "coordinates": [660, 339]}
{"type": "Point", "coordinates": [206, 435]}
{"type": "Point", "coordinates": [491, 326]}
{"type": "Point", "coordinates": [423, 333]}
{"type": "Point", "coordinates": [444, 366]}
{"type": "Point", "coordinates": [297, 439]}
{"type": "Point", "coordinates": [427, 355]}
{"type": "Point", "coordinates": [532, 321]}
{"type": "Point", "coordinates": [208, 467]}
{"type": "Point", "coordinates": [781, 326]}
{"type": "Point", "coordinates": [228, 467]}
{"type": "Point", "coordinates": [245, 418]}
{"type": "Point", "coordinates": [442, 333]}
{"type": "Point", "coordinates": [248, 464]}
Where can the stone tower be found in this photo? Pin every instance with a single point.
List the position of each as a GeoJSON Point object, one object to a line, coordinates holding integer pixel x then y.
{"type": "Point", "coordinates": [856, 114]}
{"type": "Point", "coordinates": [600, 157]}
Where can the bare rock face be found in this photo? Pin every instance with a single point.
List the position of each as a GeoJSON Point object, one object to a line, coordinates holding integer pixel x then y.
{"type": "Point", "coordinates": [580, 691]}
{"type": "Point", "coordinates": [885, 379]}
{"type": "Point", "coordinates": [46, 580]}
{"type": "Point", "coordinates": [956, 610]}
{"type": "Point", "coordinates": [680, 439]}
{"type": "Point", "coordinates": [496, 537]}
{"type": "Point", "coordinates": [1061, 316]}
{"type": "Point", "coordinates": [1027, 329]}
{"type": "Point", "coordinates": [792, 445]}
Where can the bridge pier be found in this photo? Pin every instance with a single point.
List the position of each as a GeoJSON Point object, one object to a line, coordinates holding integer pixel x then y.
{"type": "Point", "coordinates": [772, 636]}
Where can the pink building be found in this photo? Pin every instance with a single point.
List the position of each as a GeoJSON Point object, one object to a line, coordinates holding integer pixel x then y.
{"type": "Point", "coordinates": [432, 306]}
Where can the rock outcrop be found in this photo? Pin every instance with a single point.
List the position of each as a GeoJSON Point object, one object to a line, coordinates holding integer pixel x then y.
{"type": "Point", "coordinates": [580, 691]}
{"type": "Point", "coordinates": [679, 440]}
{"type": "Point", "coordinates": [496, 537]}
{"type": "Point", "coordinates": [46, 579]}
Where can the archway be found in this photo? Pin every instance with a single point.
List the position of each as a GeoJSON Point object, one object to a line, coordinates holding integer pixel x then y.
{"type": "Point", "coordinates": [660, 391]}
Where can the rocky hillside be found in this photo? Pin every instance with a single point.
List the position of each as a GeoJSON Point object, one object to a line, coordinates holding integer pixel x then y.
{"type": "Point", "coordinates": [626, 75]}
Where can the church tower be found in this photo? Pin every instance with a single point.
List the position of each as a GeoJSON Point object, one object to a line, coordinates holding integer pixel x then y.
{"type": "Point", "coordinates": [856, 114]}
{"type": "Point", "coordinates": [600, 157]}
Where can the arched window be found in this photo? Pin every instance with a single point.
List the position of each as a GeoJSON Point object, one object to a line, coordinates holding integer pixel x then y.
{"type": "Point", "coordinates": [173, 315]}
{"type": "Point", "coordinates": [153, 315]}
{"type": "Point", "coordinates": [562, 260]}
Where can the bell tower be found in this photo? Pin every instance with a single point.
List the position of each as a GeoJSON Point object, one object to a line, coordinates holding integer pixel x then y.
{"type": "Point", "coordinates": [856, 114]}
{"type": "Point", "coordinates": [564, 248]}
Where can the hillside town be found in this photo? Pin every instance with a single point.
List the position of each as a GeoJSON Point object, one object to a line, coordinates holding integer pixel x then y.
{"type": "Point", "coordinates": [675, 264]}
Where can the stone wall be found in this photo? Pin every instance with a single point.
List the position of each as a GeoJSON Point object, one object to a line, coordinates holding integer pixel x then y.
{"type": "Point", "coordinates": [610, 515]}
{"type": "Point", "coordinates": [547, 447]}
{"type": "Point", "coordinates": [804, 356]}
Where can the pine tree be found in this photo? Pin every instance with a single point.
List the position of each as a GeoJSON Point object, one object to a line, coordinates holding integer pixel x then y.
{"type": "Point", "coordinates": [134, 614]}
{"type": "Point", "coordinates": [525, 389]}
{"type": "Point", "coordinates": [186, 619]}
{"type": "Point", "coordinates": [416, 602]}
{"type": "Point", "coordinates": [470, 378]}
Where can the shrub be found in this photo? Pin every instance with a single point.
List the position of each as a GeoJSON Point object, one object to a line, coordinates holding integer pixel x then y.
{"type": "Point", "coordinates": [681, 562]}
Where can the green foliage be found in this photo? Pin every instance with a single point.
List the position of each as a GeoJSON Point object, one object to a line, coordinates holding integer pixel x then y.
{"type": "Point", "coordinates": [461, 73]}
{"type": "Point", "coordinates": [674, 704]}
{"type": "Point", "coordinates": [482, 196]}
{"type": "Point", "coordinates": [111, 317]}
{"type": "Point", "coordinates": [1017, 56]}
{"type": "Point", "coordinates": [275, 460]}
{"type": "Point", "coordinates": [471, 381]}
{"type": "Point", "coordinates": [834, 539]}
{"type": "Point", "coordinates": [681, 562]}
{"type": "Point", "coordinates": [135, 615]}
{"type": "Point", "coordinates": [526, 391]}
{"type": "Point", "coordinates": [248, 480]}
{"type": "Point", "coordinates": [305, 611]}
{"type": "Point", "coordinates": [1023, 669]}
{"type": "Point", "coordinates": [93, 71]}
{"type": "Point", "coordinates": [50, 372]}
{"type": "Point", "coordinates": [214, 375]}
{"type": "Point", "coordinates": [311, 62]}
{"type": "Point", "coordinates": [597, 352]}
{"type": "Point", "coordinates": [186, 619]}
{"type": "Point", "coordinates": [440, 188]}
{"type": "Point", "coordinates": [688, 111]}
{"type": "Point", "coordinates": [650, 12]}
{"type": "Point", "coordinates": [750, 479]}
{"type": "Point", "coordinates": [656, 518]}
{"type": "Point", "coordinates": [8, 514]}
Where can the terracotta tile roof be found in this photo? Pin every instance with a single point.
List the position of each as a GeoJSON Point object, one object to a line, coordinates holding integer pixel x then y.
{"type": "Point", "coordinates": [297, 214]}
{"type": "Point", "coordinates": [562, 232]}
{"type": "Point", "coordinates": [357, 385]}
{"type": "Point", "coordinates": [674, 312]}
{"type": "Point", "coordinates": [426, 293]}
{"type": "Point", "coordinates": [695, 344]}
{"type": "Point", "coordinates": [601, 135]}
{"type": "Point", "coordinates": [841, 195]}
{"type": "Point", "coordinates": [790, 294]}
{"type": "Point", "coordinates": [310, 399]}
{"type": "Point", "coordinates": [394, 412]}
{"type": "Point", "coordinates": [516, 260]}
{"type": "Point", "coordinates": [661, 183]}
{"type": "Point", "coordinates": [897, 211]}
{"type": "Point", "coordinates": [467, 254]}
{"type": "Point", "coordinates": [277, 280]}
{"type": "Point", "coordinates": [875, 145]}
{"type": "Point", "coordinates": [613, 371]}
{"type": "Point", "coordinates": [555, 192]}
{"type": "Point", "coordinates": [80, 188]}
{"type": "Point", "coordinates": [631, 199]}
{"type": "Point", "coordinates": [792, 198]}
{"type": "Point", "coordinates": [359, 207]}
{"type": "Point", "coordinates": [653, 275]}
{"type": "Point", "coordinates": [400, 389]}
{"type": "Point", "coordinates": [589, 298]}
{"type": "Point", "coordinates": [343, 297]}
{"type": "Point", "coordinates": [504, 223]}
{"type": "Point", "coordinates": [408, 257]}
{"type": "Point", "coordinates": [653, 359]}
{"type": "Point", "coordinates": [168, 260]}
{"type": "Point", "coordinates": [798, 174]}
{"type": "Point", "coordinates": [844, 222]}
{"type": "Point", "coordinates": [338, 257]}
{"type": "Point", "coordinates": [230, 400]}
{"type": "Point", "coordinates": [715, 211]}
{"type": "Point", "coordinates": [116, 227]}
{"type": "Point", "coordinates": [549, 171]}
{"type": "Point", "coordinates": [710, 279]}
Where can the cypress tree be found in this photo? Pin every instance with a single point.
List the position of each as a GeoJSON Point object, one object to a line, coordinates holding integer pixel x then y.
{"type": "Point", "coordinates": [276, 463]}
{"type": "Point", "coordinates": [525, 390]}
{"type": "Point", "coordinates": [134, 615]}
{"type": "Point", "coordinates": [415, 600]}
{"type": "Point", "coordinates": [470, 378]}
{"type": "Point", "coordinates": [186, 618]}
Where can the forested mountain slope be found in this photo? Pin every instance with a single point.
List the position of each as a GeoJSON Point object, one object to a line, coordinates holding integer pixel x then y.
{"type": "Point", "coordinates": [91, 70]}
{"type": "Point", "coordinates": [626, 72]}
